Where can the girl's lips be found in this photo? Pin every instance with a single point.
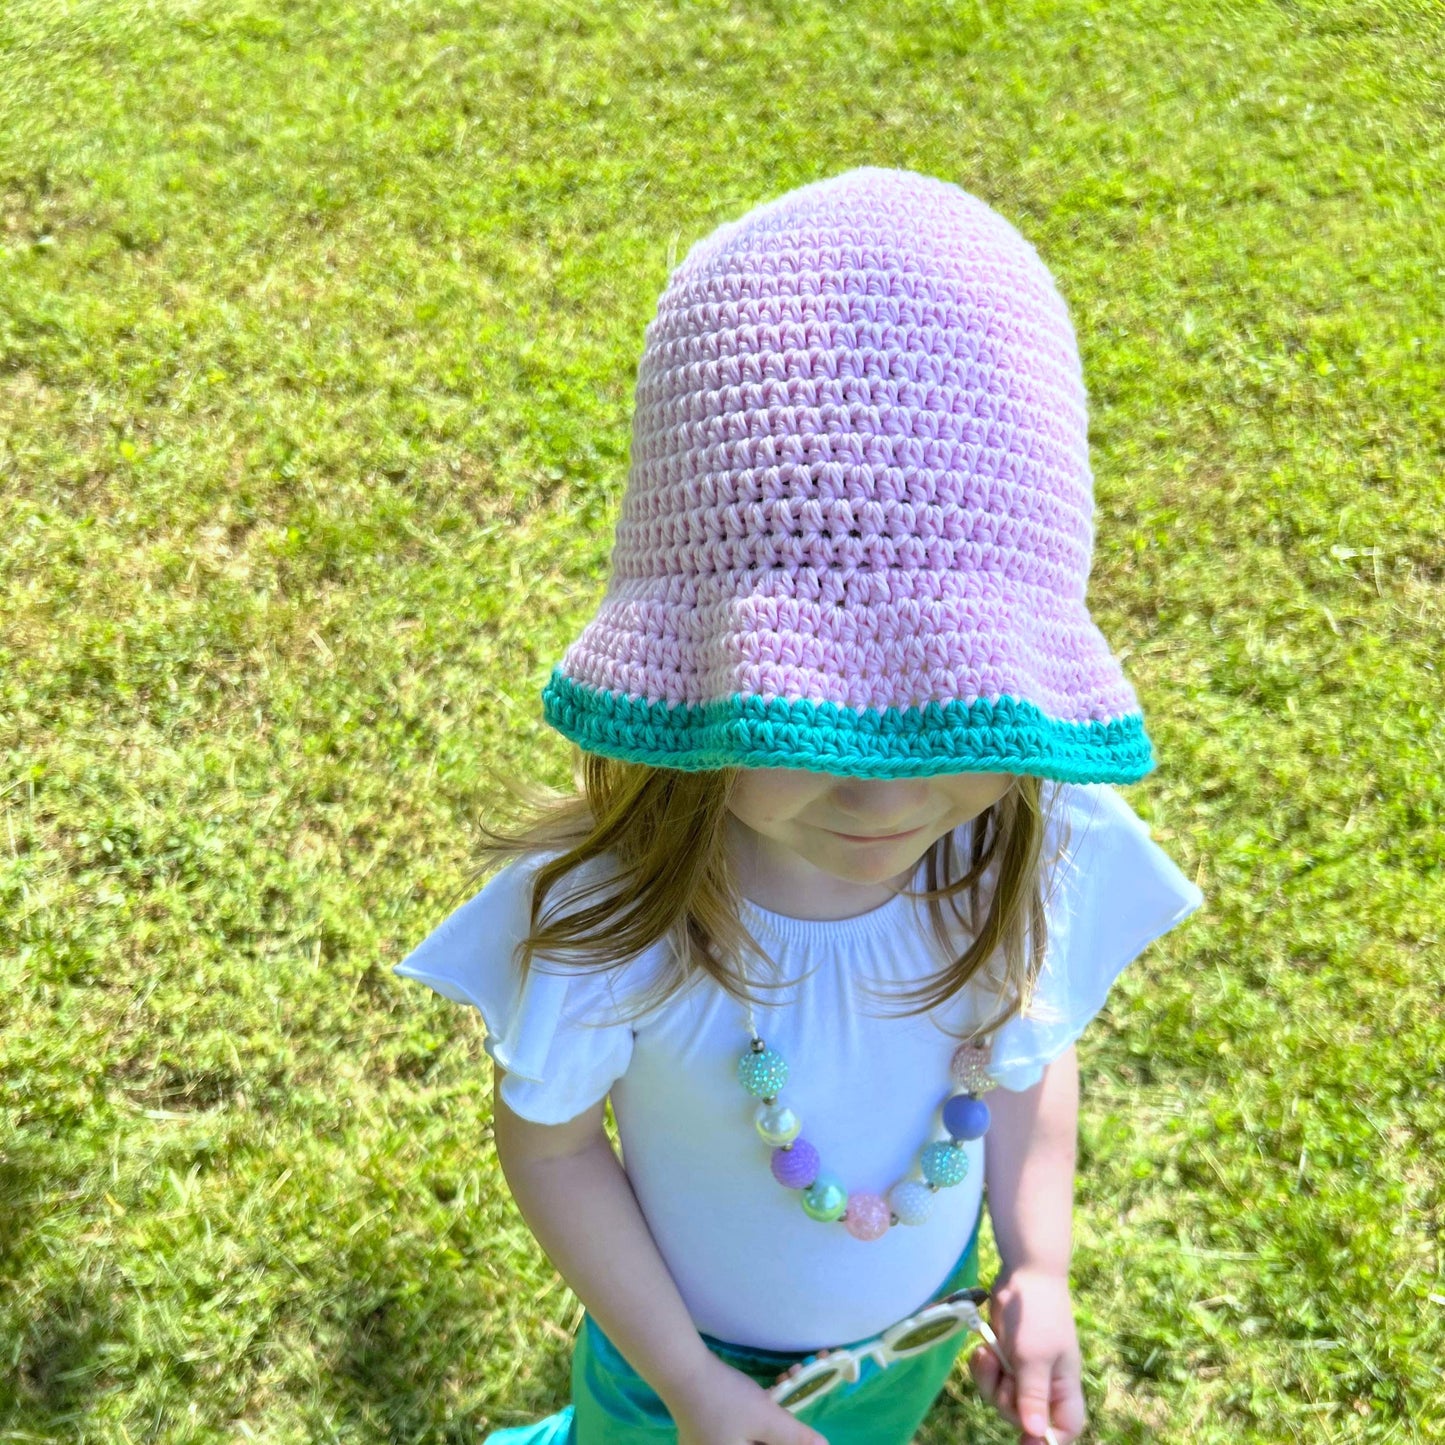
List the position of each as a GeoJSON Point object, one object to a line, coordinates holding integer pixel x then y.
{"type": "Point", "coordinates": [876, 838]}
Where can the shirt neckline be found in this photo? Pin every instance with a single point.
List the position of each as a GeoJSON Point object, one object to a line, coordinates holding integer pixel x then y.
{"type": "Point", "coordinates": [828, 930]}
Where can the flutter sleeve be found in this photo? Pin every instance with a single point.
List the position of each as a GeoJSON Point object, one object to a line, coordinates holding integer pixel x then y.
{"type": "Point", "coordinates": [1116, 891]}
{"type": "Point", "coordinates": [555, 1032]}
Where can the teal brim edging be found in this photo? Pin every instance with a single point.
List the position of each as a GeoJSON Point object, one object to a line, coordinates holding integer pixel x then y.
{"type": "Point", "coordinates": [1006, 736]}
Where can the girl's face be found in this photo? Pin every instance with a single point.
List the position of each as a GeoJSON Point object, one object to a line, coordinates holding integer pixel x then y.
{"type": "Point", "coordinates": [822, 846]}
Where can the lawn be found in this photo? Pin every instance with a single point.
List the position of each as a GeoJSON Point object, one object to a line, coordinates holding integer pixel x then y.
{"type": "Point", "coordinates": [318, 331]}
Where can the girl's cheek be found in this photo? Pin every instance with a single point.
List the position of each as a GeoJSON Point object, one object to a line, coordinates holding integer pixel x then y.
{"type": "Point", "coordinates": [776, 800]}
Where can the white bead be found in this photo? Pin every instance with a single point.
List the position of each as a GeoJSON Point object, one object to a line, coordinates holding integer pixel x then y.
{"type": "Point", "coordinates": [911, 1200]}
{"type": "Point", "coordinates": [777, 1124]}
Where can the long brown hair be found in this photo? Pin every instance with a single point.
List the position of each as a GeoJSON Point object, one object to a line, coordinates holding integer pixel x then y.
{"type": "Point", "coordinates": [662, 832]}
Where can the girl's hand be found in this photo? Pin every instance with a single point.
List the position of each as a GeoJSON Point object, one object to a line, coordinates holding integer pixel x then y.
{"type": "Point", "coordinates": [722, 1406]}
{"type": "Point", "coordinates": [1033, 1317]}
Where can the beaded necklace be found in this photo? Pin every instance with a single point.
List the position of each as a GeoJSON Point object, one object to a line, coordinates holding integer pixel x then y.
{"type": "Point", "coordinates": [763, 1072]}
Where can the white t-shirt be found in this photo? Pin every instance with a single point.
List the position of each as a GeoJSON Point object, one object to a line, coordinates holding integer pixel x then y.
{"type": "Point", "coordinates": [751, 1266]}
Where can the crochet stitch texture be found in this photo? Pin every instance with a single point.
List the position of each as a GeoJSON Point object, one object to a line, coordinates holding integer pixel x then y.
{"type": "Point", "coordinates": [858, 523]}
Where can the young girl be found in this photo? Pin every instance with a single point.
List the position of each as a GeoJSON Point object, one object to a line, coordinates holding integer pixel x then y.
{"type": "Point", "coordinates": [844, 856]}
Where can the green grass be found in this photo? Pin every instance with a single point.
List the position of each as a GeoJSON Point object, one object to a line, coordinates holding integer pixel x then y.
{"type": "Point", "coordinates": [318, 328]}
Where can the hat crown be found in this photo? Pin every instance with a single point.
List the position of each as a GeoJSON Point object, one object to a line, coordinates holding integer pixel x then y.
{"type": "Point", "coordinates": [874, 342]}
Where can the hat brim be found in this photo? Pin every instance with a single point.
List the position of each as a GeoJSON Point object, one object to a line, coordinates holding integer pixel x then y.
{"type": "Point", "coordinates": [1002, 735]}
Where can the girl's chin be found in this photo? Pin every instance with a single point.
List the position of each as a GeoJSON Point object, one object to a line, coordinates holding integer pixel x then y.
{"type": "Point", "coordinates": [893, 865]}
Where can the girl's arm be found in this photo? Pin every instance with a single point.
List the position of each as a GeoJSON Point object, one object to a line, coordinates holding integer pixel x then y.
{"type": "Point", "coordinates": [578, 1202]}
{"type": "Point", "coordinates": [1029, 1176]}
{"type": "Point", "coordinates": [1029, 1156]}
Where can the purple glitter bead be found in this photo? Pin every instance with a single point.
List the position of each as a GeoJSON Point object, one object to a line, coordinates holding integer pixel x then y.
{"type": "Point", "coordinates": [965, 1117]}
{"type": "Point", "coordinates": [796, 1167]}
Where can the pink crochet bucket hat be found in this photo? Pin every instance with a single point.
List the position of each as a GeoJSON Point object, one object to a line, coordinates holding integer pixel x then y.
{"type": "Point", "coordinates": [858, 523]}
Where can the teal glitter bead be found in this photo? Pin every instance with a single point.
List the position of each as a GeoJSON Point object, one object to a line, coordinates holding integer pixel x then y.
{"type": "Point", "coordinates": [763, 1073]}
{"type": "Point", "coordinates": [826, 1199]}
{"type": "Point", "coordinates": [944, 1164]}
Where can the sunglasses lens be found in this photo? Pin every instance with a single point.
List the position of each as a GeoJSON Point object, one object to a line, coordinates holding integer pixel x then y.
{"type": "Point", "coordinates": [922, 1336]}
{"type": "Point", "coordinates": [809, 1388]}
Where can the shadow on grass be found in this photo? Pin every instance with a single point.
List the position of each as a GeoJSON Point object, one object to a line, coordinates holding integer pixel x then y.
{"type": "Point", "coordinates": [54, 1335]}
{"type": "Point", "coordinates": [410, 1359]}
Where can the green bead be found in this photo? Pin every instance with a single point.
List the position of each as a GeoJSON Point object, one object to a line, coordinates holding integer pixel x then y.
{"type": "Point", "coordinates": [945, 1164]}
{"type": "Point", "coordinates": [764, 1073]}
{"type": "Point", "coordinates": [826, 1199]}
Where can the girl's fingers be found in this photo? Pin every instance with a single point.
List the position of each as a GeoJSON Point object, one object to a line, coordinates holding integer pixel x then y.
{"type": "Point", "coordinates": [1064, 1412]}
{"type": "Point", "coordinates": [984, 1366]}
{"type": "Point", "coordinates": [1065, 1415]}
{"type": "Point", "coordinates": [793, 1369]}
{"type": "Point", "coordinates": [1069, 1415]}
{"type": "Point", "coordinates": [1005, 1401]}
{"type": "Point", "coordinates": [1004, 1398]}
{"type": "Point", "coordinates": [1034, 1383]}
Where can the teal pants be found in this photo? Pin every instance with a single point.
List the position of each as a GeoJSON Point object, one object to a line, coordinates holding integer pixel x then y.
{"type": "Point", "coordinates": [613, 1405]}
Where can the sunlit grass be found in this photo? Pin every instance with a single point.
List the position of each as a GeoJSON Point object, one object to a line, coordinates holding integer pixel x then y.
{"type": "Point", "coordinates": [318, 329]}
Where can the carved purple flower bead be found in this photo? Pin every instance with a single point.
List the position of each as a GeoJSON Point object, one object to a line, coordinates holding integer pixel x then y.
{"type": "Point", "coordinates": [796, 1166]}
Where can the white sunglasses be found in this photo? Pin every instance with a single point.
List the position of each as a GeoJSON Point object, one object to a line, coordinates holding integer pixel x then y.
{"type": "Point", "coordinates": [930, 1326]}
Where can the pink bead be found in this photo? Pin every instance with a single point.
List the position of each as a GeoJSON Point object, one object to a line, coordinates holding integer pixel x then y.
{"type": "Point", "coordinates": [796, 1167]}
{"type": "Point", "coordinates": [868, 1216]}
{"type": "Point", "coordinates": [970, 1068]}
